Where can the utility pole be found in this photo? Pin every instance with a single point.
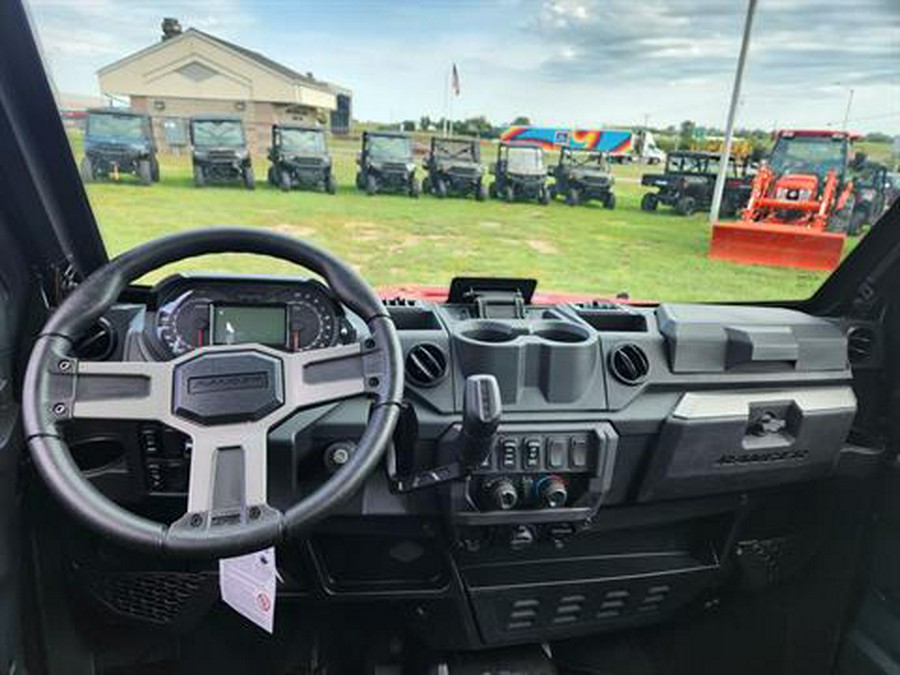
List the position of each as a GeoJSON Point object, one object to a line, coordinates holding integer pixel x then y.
{"type": "Point", "coordinates": [729, 125]}
{"type": "Point", "coordinates": [847, 112]}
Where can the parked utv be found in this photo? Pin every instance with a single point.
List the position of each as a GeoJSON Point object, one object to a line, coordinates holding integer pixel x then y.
{"type": "Point", "coordinates": [582, 175]}
{"type": "Point", "coordinates": [689, 181]}
{"type": "Point", "coordinates": [520, 173]}
{"type": "Point", "coordinates": [454, 168]}
{"type": "Point", "coordinates": [299, 158]}
{"type": "Point", "coordinates": [219, 151]}
{"type": "Point", "coordinates": [386, 164]}
{"type": "Point", "coordinates": [870, 192]}
{"type": "Point", "coordinates": [119, 141]}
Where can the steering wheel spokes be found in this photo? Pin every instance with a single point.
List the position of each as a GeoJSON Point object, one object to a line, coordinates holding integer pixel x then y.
{"type": "Point", "coordinates": [225, 399]}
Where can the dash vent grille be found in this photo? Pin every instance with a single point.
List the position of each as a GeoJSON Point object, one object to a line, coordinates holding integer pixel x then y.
{"type": "Point", "coordinates": [629, 364]}
{"type": "Point", "coordinates": [426, 365]}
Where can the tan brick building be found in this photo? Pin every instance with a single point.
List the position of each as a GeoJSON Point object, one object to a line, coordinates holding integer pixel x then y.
{"type": "Point", "coordinates": [194, 73]}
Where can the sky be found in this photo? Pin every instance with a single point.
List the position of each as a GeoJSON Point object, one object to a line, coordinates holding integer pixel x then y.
{"type": "Point", "coordinates": [584, 63]}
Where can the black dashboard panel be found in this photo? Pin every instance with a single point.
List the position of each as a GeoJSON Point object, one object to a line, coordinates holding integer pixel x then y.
{"type": "Point", "coordinates": [629, 440]}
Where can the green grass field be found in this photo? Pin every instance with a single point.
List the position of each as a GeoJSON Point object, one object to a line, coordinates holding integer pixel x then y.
{"type": "Point", "coordinates": [395, 240]}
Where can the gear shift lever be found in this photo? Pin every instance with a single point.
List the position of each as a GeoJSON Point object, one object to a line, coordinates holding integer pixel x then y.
{"type": "Point", "coordinates": [481, 418]}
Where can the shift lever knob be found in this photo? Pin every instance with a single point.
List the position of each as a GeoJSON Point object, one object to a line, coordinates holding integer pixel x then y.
{"type": "Point", "coordinates": [481, 417]}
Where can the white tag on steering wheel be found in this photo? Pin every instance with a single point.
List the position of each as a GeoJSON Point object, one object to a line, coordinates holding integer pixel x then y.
{"type": "Point", "coordinates": [247, 585]}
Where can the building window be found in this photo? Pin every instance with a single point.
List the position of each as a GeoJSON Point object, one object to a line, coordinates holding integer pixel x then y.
{"type": "Point", "coordinates": [240, 106]}
{"type": "Point", "coordinates": [159, 105]}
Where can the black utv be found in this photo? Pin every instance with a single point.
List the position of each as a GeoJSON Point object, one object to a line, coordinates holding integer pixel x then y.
{"type": "Point", "coordinates": [299, 158]}
{"type": "Point", "coordinates": [870, 192]}
{"type": "Point", "coordinates": [219, 151]}
{"type": "Point", "coordinates": [386, 164]}
{"type": "Point", "coordinates": [582, 175]}
{"type": "Point", "coordinates": [520, 173]}
{"type": "Point", "coordinates": [117, 142]}
{"type": "Point", "coordinates": [689, 182]}
{"type": "Point", "coordinates": [454, 168]}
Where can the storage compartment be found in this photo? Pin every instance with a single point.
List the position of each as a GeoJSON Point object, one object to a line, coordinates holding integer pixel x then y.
{"type": "Point", "coordinates": [598, 581]}
{"type": "Point", "coordinates": [380, 563]}
{"type": "Point", "coordinates": [725, 441]}
{"type": "Point", "coordinates": [414, 318]}
{"type": "Point", "coordinates": [716, 339]}
{"type": "Point", "coordinates": [614, 319]}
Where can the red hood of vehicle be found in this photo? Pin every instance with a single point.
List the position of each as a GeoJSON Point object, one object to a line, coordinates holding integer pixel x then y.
{"type": "Point", "coordinates": [439, 294]}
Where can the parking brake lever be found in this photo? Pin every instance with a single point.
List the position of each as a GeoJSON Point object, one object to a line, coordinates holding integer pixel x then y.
{"type": "Point", "coordinates": [482, 409]}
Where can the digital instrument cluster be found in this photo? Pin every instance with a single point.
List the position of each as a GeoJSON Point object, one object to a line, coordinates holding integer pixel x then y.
{"type": "Point", "coordinates": [291, 315]}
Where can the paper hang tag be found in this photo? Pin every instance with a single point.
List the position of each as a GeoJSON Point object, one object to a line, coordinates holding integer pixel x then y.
{"type": "Point", "coordinates": [247, 585]}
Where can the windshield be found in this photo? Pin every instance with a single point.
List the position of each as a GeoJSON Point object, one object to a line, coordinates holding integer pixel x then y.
{"type": "Point", "coordinates": [632, 89]}
{"type": "Point", "coordinates": [120, 127]}
{"type": "Point", "coordinates": [811, 154]}
{"type": "Point", "coordinates": [208, 133]}
{"type": "Point", "coordinates": [303, 141]}
{"type": "Point", "coordinates": [390, 148]}
{"type": "Point", "coordinates": [525, 160]}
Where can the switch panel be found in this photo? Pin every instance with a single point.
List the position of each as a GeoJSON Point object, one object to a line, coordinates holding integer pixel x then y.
{"type": "Point", "coordinates": [523, 453]}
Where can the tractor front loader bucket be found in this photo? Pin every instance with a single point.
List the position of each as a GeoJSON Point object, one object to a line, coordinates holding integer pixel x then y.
{"type": "Point", "coordinates": [776, 245]}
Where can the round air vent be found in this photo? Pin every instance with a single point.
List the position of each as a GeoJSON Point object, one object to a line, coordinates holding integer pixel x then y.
{"type": "Point", "coordinates": [860, 344]}
{"type": "Point", "coordinates": [97, 343]}
{"type": "Point", "coordinates": [629, 364]}
{"type": "Point", "coordinates": [426, 365]}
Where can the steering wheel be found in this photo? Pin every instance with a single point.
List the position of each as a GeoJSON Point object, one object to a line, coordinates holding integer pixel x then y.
{"type": "Point", "coordinates": [225, 398]}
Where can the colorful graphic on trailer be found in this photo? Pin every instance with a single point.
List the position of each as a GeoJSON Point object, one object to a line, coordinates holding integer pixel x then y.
{"type": "Point", "coordinates": [550, 138]}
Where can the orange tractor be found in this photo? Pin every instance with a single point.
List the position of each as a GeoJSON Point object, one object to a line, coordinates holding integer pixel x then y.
{"type": "Point", "coordinates": [799, 208]}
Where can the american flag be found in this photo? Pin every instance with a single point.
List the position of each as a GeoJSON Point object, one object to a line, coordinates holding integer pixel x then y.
{"type": "Point", "coordinates": [454, 80]}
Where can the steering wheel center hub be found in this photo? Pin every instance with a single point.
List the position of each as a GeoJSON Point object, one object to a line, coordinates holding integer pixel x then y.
{"type": "Point", "coordinates": [228, 387]}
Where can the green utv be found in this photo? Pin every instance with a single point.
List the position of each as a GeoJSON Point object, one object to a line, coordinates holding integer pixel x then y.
{"type": "Point", "coordinates": [454, 168]}
{"type": "Point", "coordinates": [582, 175]}
{"type": "Point", "coordinates": [520, 174]}
{"type": "Point", "coordinates": [386, 164]}
{"type": "Point", "coordinates": [299, 159]}
{"type": "Point", "coordinates": [219, 151]}
{"type": "Point", "coordinates": [118, 141]}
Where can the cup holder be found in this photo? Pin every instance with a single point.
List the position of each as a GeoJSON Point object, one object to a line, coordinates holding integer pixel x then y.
{"type": "Point", "coordinates": [490, 333]}
{"type": "Point", "coordinates": [561, 332]}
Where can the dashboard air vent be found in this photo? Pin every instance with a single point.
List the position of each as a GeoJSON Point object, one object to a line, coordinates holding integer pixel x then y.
{"type": "Point", "coordinates": [860, 344]}
{"type": "Point", "coordinates": [629, 364]}
{"type": "Point", "coordinates": [97, 343]}
{"type": "Point", "coordinates": [426, 365]}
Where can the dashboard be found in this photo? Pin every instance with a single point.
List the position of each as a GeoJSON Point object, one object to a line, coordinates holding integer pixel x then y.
{"type": "Point", "coordinates": [633, 442]}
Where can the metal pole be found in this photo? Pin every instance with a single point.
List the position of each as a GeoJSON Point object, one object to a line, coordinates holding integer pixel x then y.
{"type": "Point", "coordinates": [729, 126]}
{"type": "Point", "coordinates": [446, 100]}
{"type": "Point", "coordinates": [847, 112]}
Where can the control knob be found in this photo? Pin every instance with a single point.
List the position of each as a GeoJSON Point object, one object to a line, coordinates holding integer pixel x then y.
{"type": "Point", "coordinates": [502, 495]}
{"type": "Point", "coordinates": [551, 492]}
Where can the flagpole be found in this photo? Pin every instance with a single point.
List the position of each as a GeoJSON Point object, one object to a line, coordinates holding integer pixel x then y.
{"type": "Point", "coordinates": [446, 98]}
{"type": "Point", "coordinates": [450, 94]}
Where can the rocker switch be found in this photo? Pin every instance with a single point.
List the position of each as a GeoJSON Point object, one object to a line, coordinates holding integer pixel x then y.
{"type": "Point", "coordinates": [532, 453]}
{"type": "Point", "coordinates": [556, 453]}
